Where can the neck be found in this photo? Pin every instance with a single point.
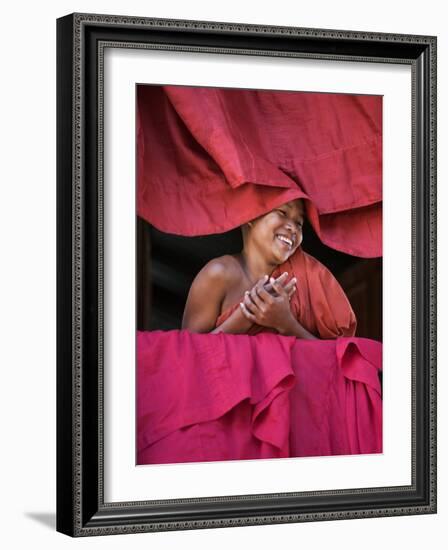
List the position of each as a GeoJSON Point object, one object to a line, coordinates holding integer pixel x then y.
{"type": "Point", "coordinates": [255, 265]}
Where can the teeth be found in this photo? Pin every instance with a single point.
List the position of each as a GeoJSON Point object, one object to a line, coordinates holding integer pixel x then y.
{"type": "Point", "coordinates": [285, 240]}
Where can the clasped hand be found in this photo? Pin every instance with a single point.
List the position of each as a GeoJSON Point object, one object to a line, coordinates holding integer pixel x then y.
{"type": "Point", "coordinates": [268, 304]}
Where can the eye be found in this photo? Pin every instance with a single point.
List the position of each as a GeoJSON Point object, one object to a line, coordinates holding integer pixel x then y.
{"type": "Point", "coordinates": [282, 212]}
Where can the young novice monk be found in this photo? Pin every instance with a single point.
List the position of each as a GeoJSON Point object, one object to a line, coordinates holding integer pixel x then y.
{"type": "Point", "coordinates": [271, 285]}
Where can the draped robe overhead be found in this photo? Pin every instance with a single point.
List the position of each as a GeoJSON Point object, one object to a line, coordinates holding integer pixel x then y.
{"type": "Point", "coordinates": [212, 159]}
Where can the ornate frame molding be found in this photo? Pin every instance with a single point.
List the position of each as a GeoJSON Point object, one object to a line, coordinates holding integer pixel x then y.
{"type": "Point", "coordinates": [81, 42]}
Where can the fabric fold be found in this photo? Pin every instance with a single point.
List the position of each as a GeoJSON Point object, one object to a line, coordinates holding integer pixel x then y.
{"type": "Point", "coordinates": [206, 397]}
{"type": "Point", "coordinates": [254, 150]}
{"type": "Point", "coordinates": [185, 379]}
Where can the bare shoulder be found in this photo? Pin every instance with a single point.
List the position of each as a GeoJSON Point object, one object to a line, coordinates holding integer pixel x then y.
{"type": "Point", "coordinates": [216, 277]}
{"type": "Point", "coordinates": [225, 268]}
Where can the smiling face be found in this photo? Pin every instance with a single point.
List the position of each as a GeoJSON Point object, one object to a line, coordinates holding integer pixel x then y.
{"type": "Point", "coordinates": [278, 234]}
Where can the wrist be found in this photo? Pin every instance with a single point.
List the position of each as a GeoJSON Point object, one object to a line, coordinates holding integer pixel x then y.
{"type": "Point", "coordinates": [243, 322]}
{"type": "Point", "coordinates": [287, 326]}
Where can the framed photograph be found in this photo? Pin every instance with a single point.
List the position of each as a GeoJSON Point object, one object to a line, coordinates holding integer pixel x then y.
{"type": "Point", "coordinates": [246, 274]}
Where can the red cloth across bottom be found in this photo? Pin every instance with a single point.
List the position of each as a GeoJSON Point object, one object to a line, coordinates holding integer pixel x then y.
{"type": "Point", "coordinates": [206, 397]}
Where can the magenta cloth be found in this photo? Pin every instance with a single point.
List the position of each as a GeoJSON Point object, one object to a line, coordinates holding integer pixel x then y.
{"type": "Point", "coordinates": [207, 397]}
{"type": "Point", "coordinates": [212, 159]}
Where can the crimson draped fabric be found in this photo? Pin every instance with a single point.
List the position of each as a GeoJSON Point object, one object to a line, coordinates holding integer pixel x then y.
{"type": "Point", "coordinates": [207, 397]}
{"type": "Point", "coordinates": [212, 159]}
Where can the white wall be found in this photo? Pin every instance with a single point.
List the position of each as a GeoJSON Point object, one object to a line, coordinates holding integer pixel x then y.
{"type": "Point", "coordinates": [27, 272]}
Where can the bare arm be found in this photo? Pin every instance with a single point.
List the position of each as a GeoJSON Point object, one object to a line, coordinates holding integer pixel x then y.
{"type": "Point", "coordinates": [294, 328]}
{"type": "Point", "coordinates": [236, 323]}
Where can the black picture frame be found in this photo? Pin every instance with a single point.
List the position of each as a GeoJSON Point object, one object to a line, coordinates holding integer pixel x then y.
{"type": "Point", "coordinates": [81, 509]}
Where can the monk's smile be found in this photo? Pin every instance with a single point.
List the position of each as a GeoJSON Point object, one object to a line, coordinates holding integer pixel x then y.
{"type": "Point", "coordinates": [287, 242]}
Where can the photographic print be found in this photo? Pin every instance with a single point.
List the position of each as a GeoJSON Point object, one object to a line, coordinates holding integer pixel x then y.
{"type": "Point", "coordinates": [259, 274]}
{"type": "Point", "coordinates": [246, 274]}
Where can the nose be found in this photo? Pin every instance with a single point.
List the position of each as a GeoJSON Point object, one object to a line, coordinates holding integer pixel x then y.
{"type": "Point", "coordinates": [291, 226]}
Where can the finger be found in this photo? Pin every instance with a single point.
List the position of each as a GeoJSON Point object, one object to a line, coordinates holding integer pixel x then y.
{"type": "Point", "coordinates": [254, 296]}
{"type": "Point", "coordinates": [249, 303]}
{"type": "Point", "coordinates": [269, 288]}
{"type": "Point", "coordinates": [260, 284]}
{"type": "Point", "coordinates": [280, 279]}
{"type": "Point", "coordinates": [262, 281]}
{"type": "Point", "coordinates": [279, 289]}
{"type": "Point", "coordinates": [290, 285]}
{"type": "Point", "coordinates": [247, 313]}
{"type": "Point", "coordinates": [264, 295]}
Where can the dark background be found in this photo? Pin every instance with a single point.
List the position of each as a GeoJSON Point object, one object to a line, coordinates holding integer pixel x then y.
{"type": "Point", "coordinates": [167, 265]}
